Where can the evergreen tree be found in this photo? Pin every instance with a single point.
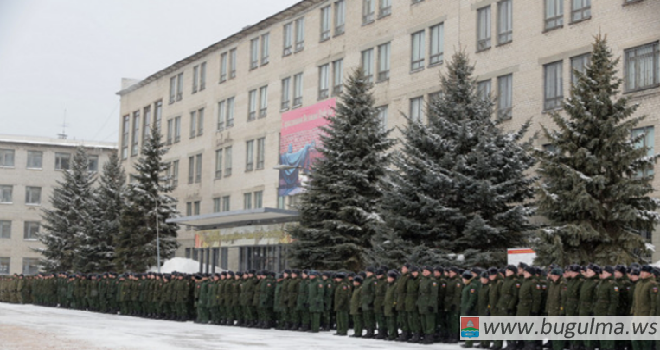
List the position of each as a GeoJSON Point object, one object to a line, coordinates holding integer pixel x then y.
{"type": "Point", "coordinates": [135, 248]}
{"type": "Point", "coordinates": [591, 192]}
{"type": "Point", "coordinates": [109, 205]}
{"type": "Point", "coordinates": [70, 222]}
{"type": "Point", "coordinates": [338, 211]}
{"type": "Point", "coordinates": [460, 195]}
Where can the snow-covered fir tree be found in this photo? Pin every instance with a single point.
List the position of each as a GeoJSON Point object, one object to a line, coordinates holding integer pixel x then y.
{"type": "Point", "coordinates": [339, 210]}
{"type": "Point", "coordinates": [595, 190]}
{"type": "Point", "coordinates": [146, 209]}
{"type": "Point", "coordinates": [71, 221]}
{"type": "Point", "coordinates": [460, 194]}
{"type": "Point", "coordinates": [109, 203]}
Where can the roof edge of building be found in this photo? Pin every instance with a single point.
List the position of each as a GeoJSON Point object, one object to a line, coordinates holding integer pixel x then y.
{"type": "Point", "coordinates": [299, 6]}
{"type": "Point", "coordinates": [40, 140]}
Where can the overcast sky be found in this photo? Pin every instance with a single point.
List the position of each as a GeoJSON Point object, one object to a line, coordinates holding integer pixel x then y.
{"type": "Point", "coordinates": [72, 54]}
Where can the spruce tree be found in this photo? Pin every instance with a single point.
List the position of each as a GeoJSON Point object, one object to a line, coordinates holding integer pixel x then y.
{"type": "Point", "coordinates": [460, 194]}
{"type": "Point", "coordinates": [109, 203]}
{"type": "Point", "coordinates": [339, 210]}
{"type": "Point", "coordinates": [146, 209]}
{"type": "Point", "coordinates": [70, 222]}
{"type": "Point", "coordinates": [591, 192]}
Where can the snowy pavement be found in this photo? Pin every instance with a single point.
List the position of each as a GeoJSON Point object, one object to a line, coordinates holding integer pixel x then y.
{"type": "Point", "coordinates": [24, 327]}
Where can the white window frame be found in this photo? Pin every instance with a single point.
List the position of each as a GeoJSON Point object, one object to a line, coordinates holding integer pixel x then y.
{"type": "Point", "coordinates": [553, 91]}
{"type": "Point", "coordinates": [252, 105]}
{"type": "Point", "coordinates": [62, 158]}
{"type": "Point", "coordinates": [337, 77]}
{"type": "Point", "coordinates": [324, 81]}
{"type": "Point", "coordinates": [33, 195]}
{"type": "Point", "coordinates": [300, 34]}
{"type": "Point", "coordinates": [249, 155]}
{"type": "Point", "coordinates": [6, 194]}
{"type": "Point", "coordinates": [642, 67]}
{"type": "Point", "coordinates": [368, 11]}
{"type": "Point", "coordinates": [261, 153]}
{"type": "Point", "coordinates": [483, 28]}
{"type": "Point", "coordinates": [298, 90]}
{"type": "Point", "coordinates": [31, 160]}
{"type": "Point", "coordinates": [554, 14]}
{"type": "Point", "coordinates": [286, 94]}
{"type": "Point", "coordinates": [504, 22]}
{"type": "Point", "coordinates": [263, 101]}
{"type": "Point", "coordinates": [504, 96]}
{"type": "Point", "coordinates": [437, 44]}
{"type": "Point", "coordinates": [325, 23]}
{"type": "Point", "coordinates": [418, 49]}
{"type": "Point", "coordinates": [340, 17]}
{"type": "Point", "coordinates": [580, 10]}
{"type": "Point", "coordinates": [417, 109]}
{"type": "Point", "coordinates": [384, 52]}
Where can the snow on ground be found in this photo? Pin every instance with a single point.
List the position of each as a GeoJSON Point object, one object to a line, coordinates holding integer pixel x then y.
{"type": "Point", "coordinates": [28, 327]}
{"type": "Point", "coordinates": [182, 265]}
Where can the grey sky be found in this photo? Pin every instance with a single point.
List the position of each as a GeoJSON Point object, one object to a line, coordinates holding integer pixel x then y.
{"type": "Point", "coordinates": [57, 54]}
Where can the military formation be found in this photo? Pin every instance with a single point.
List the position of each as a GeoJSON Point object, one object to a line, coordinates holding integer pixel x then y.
{"type": "Point", "coordinates": [413, 304]}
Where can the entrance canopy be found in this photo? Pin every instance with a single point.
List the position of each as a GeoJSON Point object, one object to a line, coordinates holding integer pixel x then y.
{"type": "Point", "coordinates": [258, 216]}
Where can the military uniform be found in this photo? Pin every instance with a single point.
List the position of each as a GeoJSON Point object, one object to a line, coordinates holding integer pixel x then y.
{"type": "Point", "coordinates": [356, 308]}
{"type": "Point", "coordinates": [427, 306]}
{"type": "Point", "coordinates": [389, 308]}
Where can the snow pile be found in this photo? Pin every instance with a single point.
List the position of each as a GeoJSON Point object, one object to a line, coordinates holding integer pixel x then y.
{"type": "Point", "coordinates": [182, 265]}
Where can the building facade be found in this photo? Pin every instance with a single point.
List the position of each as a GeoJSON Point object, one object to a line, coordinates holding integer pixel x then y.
{"type": "Point", "coordinates": [232, 114]}
{"type": "Point", "coordinates": [29, 169]}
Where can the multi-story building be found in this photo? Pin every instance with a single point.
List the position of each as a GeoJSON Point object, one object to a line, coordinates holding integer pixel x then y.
{"type": "Point", "coordinates": [239, 116]}
{"type": "Point", "coordinates": [29, 170]}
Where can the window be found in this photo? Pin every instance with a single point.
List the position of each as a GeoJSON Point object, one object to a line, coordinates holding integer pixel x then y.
{"type": "Point", "coordinates": [222, 114]}
{"type": "Point", "coordinates": [177, 129]}
{"type": "Point", "coordinates": [198, 168]}
{"type": "Point", "coordinates": [228, 161]}
{"type": "Point", "coordinates": [254, 53]}
{"type": "Point", "coordinates": [179, 86]}
{"type": "Point", "coordinates": [579, 64]}
{"type": "Point", "coordinates": [30, 266]}
{"type": "Point", "coordinates": [416, 109]}
{"type": "Point", "coordinates": [159, 115]}
{"type": "Point", "coordinates": [382, 115]}
{"type": "Point", "coordinates": [288, 39]}
{"type": "Point", "coordinates": [7, 157]}
{"type": "Point", "coordinates": [5, 230]}
{"type": "Point", "coordinates": [136, 134]}
{"type": "Point", "coordinates": [252, 105]}
{"type": "Point", "coordinates": [62, 161]}
{"type": "Point", "coordinates": [483, 28]}
{"type": "Point", "coordinates": [553, 86]}
{"type": "Point", "coordinates": [300, 34]}
{"type": "Point", "coordinates": [202, 76]}
{"type": "Point", "coordinates": [385, 8]}
{"type": "Point", "coordinates": [93, 163]}
{"type": "Point", "coordinates": [189, 211]}
{"type": "Point", "coordinates": [483, 89]}
{"type": "Point", "coordinates": [418, 53]}
{"type": "Point", "coordinates": [232, 63]}
{"type": "Point", "coordinates": [263, 101]}
{"type": "Point", "coordinates": [226, 203]}
{"type": "Point", "coordinates": [258, 199]}
{"type": "Point", "coordinates": [368, 11]}
{"type": "Point", "coordinates": [191, 170]}
{"type": "Point", "coordinates": [265, 48]}
{"type": "Point", "coordinates": [193, 124]}
{"type": "Point", "coordinates": [249, 155]}
{"type": "Point", "coordinates": [646, 140]}
{"type": "Point", "coordinates": [504, 22]}
{"type": "Point", "coordinates": [286, 93]}
{"type": "Point", "coordinates": [223, 67]}
{"type": "Point", "coordinates": [368, 64]}
{"type": "Point", "coordinates": [175, 173]}
{"type": "Point", "coordinates": [4, 266]}
{"type": "Point", "coordinates": [173, 89]}
{"type": "Point", "coordinates": [554, 14]}
{"type": "Point", "coordinates": [434, 97]}
{"type": "Point", "coordinates": [34, 160]}
{"type": "Point", "coordinates": [217, 205]}
{"type": "Point", "coordinates": [297, 90]}
{"type": "Point", "coordinates": [6, 193]}
{"type": "Point", "coordinates": [247, 201]}
{"type": "Point", "coordinates": [581, 10]}
{"type": "Point", "coordinates": [169, 132]}
{"type": "Point", "coordinates": [340, 17]}
{"type": "Point", "coordinates": [504, 96]}
{"type": "Point", "coordinates": [230, 112]}
{"type": "Point", "coordinates": [338, 77]}
{"type": "Point", "coordinates": [261, 152]}
{"type": "Point", "coordinates": [643, 67]}
{"type": "Point", "coordinates": [437, 44]}
{"type": "Point", "coordinates": [198, 207]}
{"type": "Point", "coordinates": [325, 23]}
{"type": "Point", "coordinates": [124, 140]}
{"type": "Point", "coordinates": [384, 62]}
{"type": "Point", "coordinates": [218, 164]}
{"type": "Point", "coordinates": [324, 81]}
{"type": "Point", "coordinates": [195, 79]}
{"type": "Point", "coordinates": [146, 125]}
{"type": "Point", "coordinates": [200, 121]}
{"type": "Point", "coordinates": [31, 229]}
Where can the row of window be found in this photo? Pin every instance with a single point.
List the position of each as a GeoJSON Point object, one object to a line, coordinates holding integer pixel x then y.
{"type": "Point", "coordinates": [134, 125]}
{"type": "Point", "coordinates": [30, 229]}
{"type": "Point", "coordinates": [251, 200]}
{"type": "Point", "coordinates": [35, 160]}
{"type": "Point", "coordinates": [32, 195]}
{"type": "Point", "coordinates": [30, 266]}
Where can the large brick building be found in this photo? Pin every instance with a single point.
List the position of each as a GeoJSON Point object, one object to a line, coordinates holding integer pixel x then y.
{"type": "Point", "coordinates": [235, 113]}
